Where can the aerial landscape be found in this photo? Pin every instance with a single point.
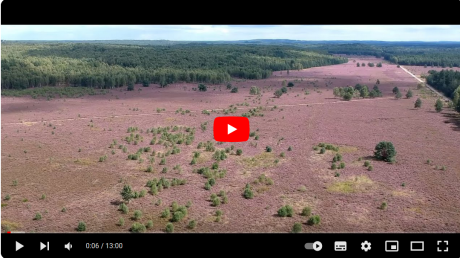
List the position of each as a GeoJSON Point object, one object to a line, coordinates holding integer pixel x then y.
{"type": "Point", "coordinates": [111, 135]}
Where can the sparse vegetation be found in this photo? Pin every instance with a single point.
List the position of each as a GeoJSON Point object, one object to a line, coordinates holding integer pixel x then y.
{"type": "Point", "coordinates": [314, 220]}
{"type": "Point", "coordinates": [306, 211]}
{"type": "Point", "coordinates": [297, 228]}
{"type": "Point", "coordinates": [81, 226]}
{"type": "Point", "coordinates": [286, 211]}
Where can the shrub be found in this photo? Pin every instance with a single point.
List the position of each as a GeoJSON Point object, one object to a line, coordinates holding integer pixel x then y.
{"type": "Point", "coordinates": [121, 222]}
{"type": "Point", "coordinates": [202, 87]}
{"type": "Point", "coordinates": [383, 206]}
{"type": "Point", "coordinates": [370, 168]}
{"type": "Point", "coordinates": [333, 166]}
{"type": "Point", "coordinates": [207, 186]}
{"type": "Point", "coordinates": [268, 149]}
{"type": "Point", "coordinates": [254, 90]}
{"type": "Point", "coordinates": [193, 162]}
{"type": "Point", "coordinates": [306, 211]}
{"type": "Point", "coordinates": [43, 197]}
{"type": "Point", "coordinates": [138, 227]}
{"type": "Point", "coordinates": [337, 174]}
{"type": "Point", "coordinates": [212, 181]}
{"type": "Point", "coordinates": [38, 216]}
{"type": "Point", "coordinates": [163, 161]}
{"type": "Point", "coordinates": [289, 149]}
{"type": "Point", "coordinates": [347, 96]}
{"type": "Point", "coordinates": [234, 90]}
{"type": "Point", "coordinates": [278, 93]}
{"type": "Point", "coordinates": [239, 152]}
{"type": "Point", "coordinates": [398, 95]}
{"type": "Point", "coordinates": [297, 228]}
{"type": "Point", "coordinates": [290, 84]}
{"type": "Point", "coordinates": [366, 163]}
{"type": "Point", "coordinates": [149, 224]}
{"type": "Point", "coordinates": [130, 87]}
{"type": "Point", "coordinates": [7, 197]}
{"type": "Point", "coordinates": [215, 202]}
{"type": "Point", "coordinates": [385, 151]}
{"type": "Point", "coordinates": [409, 94]}
{"type": "Point", "coordinates": [215, 165]}
{"type": "Point", "coordinates": [438, 106]}
{"type": "Point", "coordinates": [322, 151]}
{"type": "Point", "coordinates": [285, 211]}
{"type": "Point", "coordinates": [103, 158]}
{"type": "Point", "coordinates": [142, 193]}
{"type": "Point", "coordinates": [166, 213]}
{"type": "Point", "coordinates": [177, 216]}
{"type": "Point", "coordinates": [192, 224]}
{"type": "Point", "coordinates": [63, 209]}
{"type": "Point", "coordinates": [169, 228]}
{"type": "Point", "coordinates": [284, 89]}
{"type": "Point", "coordinates": [229, 86]}
{"type": "Point", "coordinates": [418, 103]}
{"type": "Point", "coordinates": [164, 170]}
{"type": "Point", "coordinates": [124, 208]}
{"type": "Point", "coordinates": [282, 154]}
{"type": "Point", "coordinates": [81, 226]}
{"type": "Point", "coordinates": [314, 220]}
{"type": "Point", "coordinates": [149, 169]}
{"type": "Point", "coordinates": [127, 193]}
{"type": "Point", "coordinates": [342, 165]}
{"type": "Point", "coordinates": [395, 90]}
{"type": "Point", "coordinates": [137, 214]}
{"type": "Point", "coordinates": [219, 213]}
{"type": "Point", "coordinates": [248, 194]}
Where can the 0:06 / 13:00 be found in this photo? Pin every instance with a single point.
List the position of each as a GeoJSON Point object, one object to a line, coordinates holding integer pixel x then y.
{"type": "Point", "coordinates": [104, 246]}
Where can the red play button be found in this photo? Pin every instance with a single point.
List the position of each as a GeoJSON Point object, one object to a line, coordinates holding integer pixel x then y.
{"type": "Point", "coordinates": [231, 129]}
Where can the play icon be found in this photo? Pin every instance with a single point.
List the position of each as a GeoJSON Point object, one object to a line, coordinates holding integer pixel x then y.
{"type": "Point", "coordinates": [18, 245]}
{"type": "Point", "coordinates": [231, 129]}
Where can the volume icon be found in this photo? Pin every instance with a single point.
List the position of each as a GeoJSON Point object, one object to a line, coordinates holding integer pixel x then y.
{"type": "Point", "coordinates": [68, 246]}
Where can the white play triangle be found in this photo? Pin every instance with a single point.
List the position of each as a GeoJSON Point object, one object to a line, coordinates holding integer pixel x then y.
{"type": "Point", "coordinates": [18, 246]}
{"type": "Point", "coordinates": [230, 129]}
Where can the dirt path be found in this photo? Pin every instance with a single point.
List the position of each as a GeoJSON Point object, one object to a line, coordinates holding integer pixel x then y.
{"type": "Point", "coordinates": [429, 87]}
{"type": "Point", "coordinates": [193, 111]}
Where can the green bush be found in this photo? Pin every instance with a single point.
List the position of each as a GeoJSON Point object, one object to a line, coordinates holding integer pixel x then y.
{"type": "Point", "coordinates": [248, 194]}
{"type": "Point", "coordinates": [285, 211]}
{"type": "Point", "coordinates": [314, 220]}
{"type": "Point", "coordinates": [370, 168]}
{"type": "Point", "coordinates": [234, 90]}
{"type": "Point", "coordinates": [137, 214]}
{"type": "Point", "coordinates": [192, 224]}
{"type": "Point", "coordinates": [38, 216]}
{"type": "Point", "coordinates": [215, 202]}
{"type": "Point", "coordinates": [383, 206]}
{"type": "Point", "coordinates": [212, 181]}
{"type": "Point", "coordinates": [289, 149]}
{"type": "Point", "coordinates": [268, 149]}
{"type": "Point", "coordinates": [385, 151]}
{"type": "Point", "coordinates": [149, 224]}
{"type": "Point", "coordinates": [367, 163]}
{"type": "Point", "coordinates": [124, 208]}
{"type": "Point", "coordinates": [166, 213]}
{"type": "Point", "coordinates": [169, 228]}
{"type": "Point", "coordinates": [81, 226]}
{"type": "Point", "coordinates": [138, 227]}
{"type": "Point", "coordinates": [306, 211]}
{"type": "Point", "coordinates": [297, 228]}
{"type": "Point", "coordinates": [322, 151]}
{"type": "Point", "coordinates": [215, 165]}
{"type": "Point", "coordinates": [342, 165]}
{"type": "Point", "coordinates": [121, 222]}
{"type": "Point", "coordinates": [333, 166]}
{"type": "Point", "coordinates": [207, 186]}
{"type": "Point", "coordinates": [239, 152]}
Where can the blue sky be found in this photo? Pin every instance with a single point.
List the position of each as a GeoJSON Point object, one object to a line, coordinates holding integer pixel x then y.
{"type": "Point", "coordinates": [232, 32]}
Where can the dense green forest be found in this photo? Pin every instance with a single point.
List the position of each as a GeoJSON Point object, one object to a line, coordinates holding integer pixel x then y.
{"type": "Point", "coordinates": [445, 55]}
{"type": "Point", "coordinates": [446, 81]}
{"type": "Point", "coordinates": [26, 65]}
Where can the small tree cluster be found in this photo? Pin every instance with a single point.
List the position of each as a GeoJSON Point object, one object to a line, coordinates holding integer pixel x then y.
{"type": "Point", "coordinates": [286, 211]}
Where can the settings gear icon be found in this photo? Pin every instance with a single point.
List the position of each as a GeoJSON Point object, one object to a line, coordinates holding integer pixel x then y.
{"type": "Point", "coordinates": [365, 246]}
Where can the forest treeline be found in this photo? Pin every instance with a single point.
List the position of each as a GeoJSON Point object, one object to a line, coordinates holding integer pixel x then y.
{"type": "Point", "coordinates": [444, 55]}
{"type": "Point", "coordinates": [108, 66]}
{"type": "Point", "coordinates": [446, 81]}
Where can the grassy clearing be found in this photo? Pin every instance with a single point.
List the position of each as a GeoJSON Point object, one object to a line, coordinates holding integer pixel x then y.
{"type": "Point", "coordinates": [352, 185]}
{"type": "Point", "coordinates": [10, 226]}
{"type": "Point", "coordinates": [262, 160]}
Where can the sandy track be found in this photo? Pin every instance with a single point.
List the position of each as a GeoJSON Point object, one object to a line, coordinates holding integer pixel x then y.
{"type": "Point", "coordinates": [193, 111]}
{"type": "Point", "coordinates": [431, 88]}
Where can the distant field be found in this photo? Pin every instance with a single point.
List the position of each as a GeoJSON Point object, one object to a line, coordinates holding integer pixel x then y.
{"type": "Point", "coordinates": [56, 148]}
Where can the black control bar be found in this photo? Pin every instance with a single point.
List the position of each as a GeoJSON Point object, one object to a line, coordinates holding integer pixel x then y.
{"type": "Point", "coordinates": [306, 245]}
